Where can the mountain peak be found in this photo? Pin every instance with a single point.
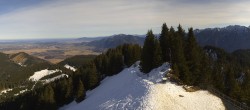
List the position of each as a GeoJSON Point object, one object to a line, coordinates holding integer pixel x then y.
{"type": "Point", "coordinates": [236, 27]}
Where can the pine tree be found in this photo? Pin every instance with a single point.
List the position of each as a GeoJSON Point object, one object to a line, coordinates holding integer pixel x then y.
{"type": "Point", "coordinates": [92, 76]}
{"type": "Point", "coordinates": [131, 53]}
{"type": "Point", "coordinates": [193, 57]}
{"type": "Point", "coordinates": [116, 62]}
{"type": "Point", "coordinates": [164, 43]}
{"type": "Point", "coordinates": [232, 88]}
{"type": "Point", "coordinates": [102, 63]}
{"type": "Point", "coordinates": [80, 94]}
{"type": "Point", "coordinates": [157, 58]}
{"type": "Point", "coordinates": [47, 98]}
{"type": "Point", "coordinates": [206, 71]}
{"type": "Point", "coordinates": [179, 56]}
{"type": "Point", "coordinates": [176, 70]}
{"type": "Point", "coordinates": [69, 90]}
{"type": "Point", "coordinates": [148, 53]}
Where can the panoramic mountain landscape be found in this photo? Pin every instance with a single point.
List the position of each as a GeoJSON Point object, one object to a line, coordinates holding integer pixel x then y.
{"type": "Point", "coordinates": [124, 55]}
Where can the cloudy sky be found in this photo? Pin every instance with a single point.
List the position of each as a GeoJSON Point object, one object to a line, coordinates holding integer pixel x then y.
{"type": "Point", "coordinates": [35, 19]}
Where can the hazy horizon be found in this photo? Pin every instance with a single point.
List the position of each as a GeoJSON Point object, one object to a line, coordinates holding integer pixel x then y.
{"type": "Point", "coordinates": [36, 19]}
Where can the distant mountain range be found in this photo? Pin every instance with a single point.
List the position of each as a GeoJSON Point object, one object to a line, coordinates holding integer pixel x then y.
{"type": "Point", "coordinates": [89, 39]}
{"type": "Point", "coordinates": [230, 38]}
{"type": "Point", "coordinates": [115, 40]}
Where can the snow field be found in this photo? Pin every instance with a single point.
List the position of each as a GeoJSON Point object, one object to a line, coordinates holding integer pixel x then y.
{"type": "Point", "coordinates": [40, 74]}
{"type": "Point", "coordinates": [133, 90]}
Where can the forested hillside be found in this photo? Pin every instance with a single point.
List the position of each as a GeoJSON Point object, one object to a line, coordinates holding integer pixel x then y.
{"type": "Point", "coordinates": [230, 38]}
{"type": "Point", "coordinates": [192, 65]}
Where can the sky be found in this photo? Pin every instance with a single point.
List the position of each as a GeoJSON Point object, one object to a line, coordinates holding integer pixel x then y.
{"type": "Point", "coordinates": [36, 19]}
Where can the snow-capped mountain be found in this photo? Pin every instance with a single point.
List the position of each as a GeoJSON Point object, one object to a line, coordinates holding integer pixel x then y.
{"type": "Point", "coordinates": [133, 90]}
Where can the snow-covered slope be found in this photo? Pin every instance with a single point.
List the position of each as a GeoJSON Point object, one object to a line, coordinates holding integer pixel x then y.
{"type": "Point", "coordinates": [39, 74]}
{"type": "Point", "coordinates": [132, 90]}
{"type": "Point", "coordinates": [54, 78]}
{"type": "Point", "coordinates": [70, 67]}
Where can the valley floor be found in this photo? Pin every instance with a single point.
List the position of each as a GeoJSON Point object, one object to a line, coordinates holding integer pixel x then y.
{"type": "Point", "coordinates": [131, 89]}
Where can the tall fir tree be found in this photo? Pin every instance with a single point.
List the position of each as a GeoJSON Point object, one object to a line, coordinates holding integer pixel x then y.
{"type": "Point", "coordinates": [163, 39]}
{"type": "Point", "coordinates": [69, 90]}
{"type": "Point", "coordinates": [157, 57]}
{"type": "Point", "coordinates": [179, 56]}
{"type": "Point", "coordinates": [92, 76]}
{"type": "Point", "coordinates": [47, 98]}
{"type": "Point", "coordinates": [193, 57]}
{"type": "Point", "coordinates": [80, 94]}
{"type": "Point", "coordinates": [170, 41]}
{"type": "Point", "coordinates": [148, 52]}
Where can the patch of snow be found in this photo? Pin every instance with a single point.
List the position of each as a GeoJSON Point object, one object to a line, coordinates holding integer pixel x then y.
{"type": "Point", "coordinates": [70, 67]}
{"type": "Point", "coordinates": [241, 78]}
{"type": "Point", "coordinates": [39, 74]}
{"type": "Point", "coordinates": [133, 90]}
{"type": "Point", "coordinates": [5, 91]}
{"type": "Point", "coordinates": [54, 78]}
{"type": "Point", "coordinates": [20, 92]}
{"type": "Point", "coordinates": [21, 64]}
{"type": "Point", "coordinates": [212, 54]}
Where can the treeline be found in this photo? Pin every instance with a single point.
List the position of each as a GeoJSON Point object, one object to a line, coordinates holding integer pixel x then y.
{"type": "Point", "coordinates": [229, 74]}
{"type": "Point", "coordinates": [187, 58]}
{"type": "Point", "coordinates": [191, 64]}
{"type": "Point", "coordinates": [197, 66]}
{"type": "Point", "coordinates": [87, 77]}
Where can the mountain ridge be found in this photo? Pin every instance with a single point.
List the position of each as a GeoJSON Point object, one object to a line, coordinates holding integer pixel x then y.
{"type": "Point", "coordinates": [115, 40]}
{"type": "Point", "coordinates": [230, 38]}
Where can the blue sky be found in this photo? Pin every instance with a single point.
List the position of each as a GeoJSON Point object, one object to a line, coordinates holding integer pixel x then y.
{"type": "Point", "coordinates": [35, 19]}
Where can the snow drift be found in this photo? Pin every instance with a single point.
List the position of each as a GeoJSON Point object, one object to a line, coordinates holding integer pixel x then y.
{"type": "Point", "coordinates": [40, 74]}
{"type": "Point", "coordinates": [70, 67]}
{"type": "Point", "coordinates": [131, 89]}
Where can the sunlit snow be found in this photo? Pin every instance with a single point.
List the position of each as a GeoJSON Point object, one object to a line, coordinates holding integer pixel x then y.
{"type": "Point", "coordinates": [70, 67]}
{"type": "Point", "coordinates": [54, 78]}
{"type": "Point", "coordinates": [39, 74]}
{"type": "Point", "coordinates": [5, 91]}
{"type": "Point", "coordinates": [133, 90]}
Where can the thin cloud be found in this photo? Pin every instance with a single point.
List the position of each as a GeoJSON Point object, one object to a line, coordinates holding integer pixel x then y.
{"type": "Point", "coordinates": [64, 18]}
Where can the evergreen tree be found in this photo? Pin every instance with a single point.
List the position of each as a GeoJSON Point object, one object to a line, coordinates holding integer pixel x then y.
{"type": "Point", "coordinates": [179, 56]}
{"type": "Point", "coordinates": [102, 63]}
{"type": "Point", "coordinates": [116, 61]}
{"type": "Point", "coordinates": [232, 88]}
{"type": "Point", "coordinates": [47, 98]}
{"type": "Point", "coordinates": [170, 41]}
{"type": "Point", "coordinates": [193, 57]}
{"type": "Point", "coordinates": [131, 53]}
{"type": "Point", "coordinates": [176, 70]}
{"type": "Point", "coordinates": [92, 76]}
{"type": "Point", "coordinates": [157, 58]}
{"type": "Point", "coordinates": [164, 43]}
{"type": "Point", "coordinates": [206, 71]}
{"type": "Point", "coordinates": [148, 52]}
{"type": "Point", "coordinates": [181, 33]}
{"type": "Point", "coordinates": [69, 90]}
{"type": "Point", "coordinates": [80, 94]}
